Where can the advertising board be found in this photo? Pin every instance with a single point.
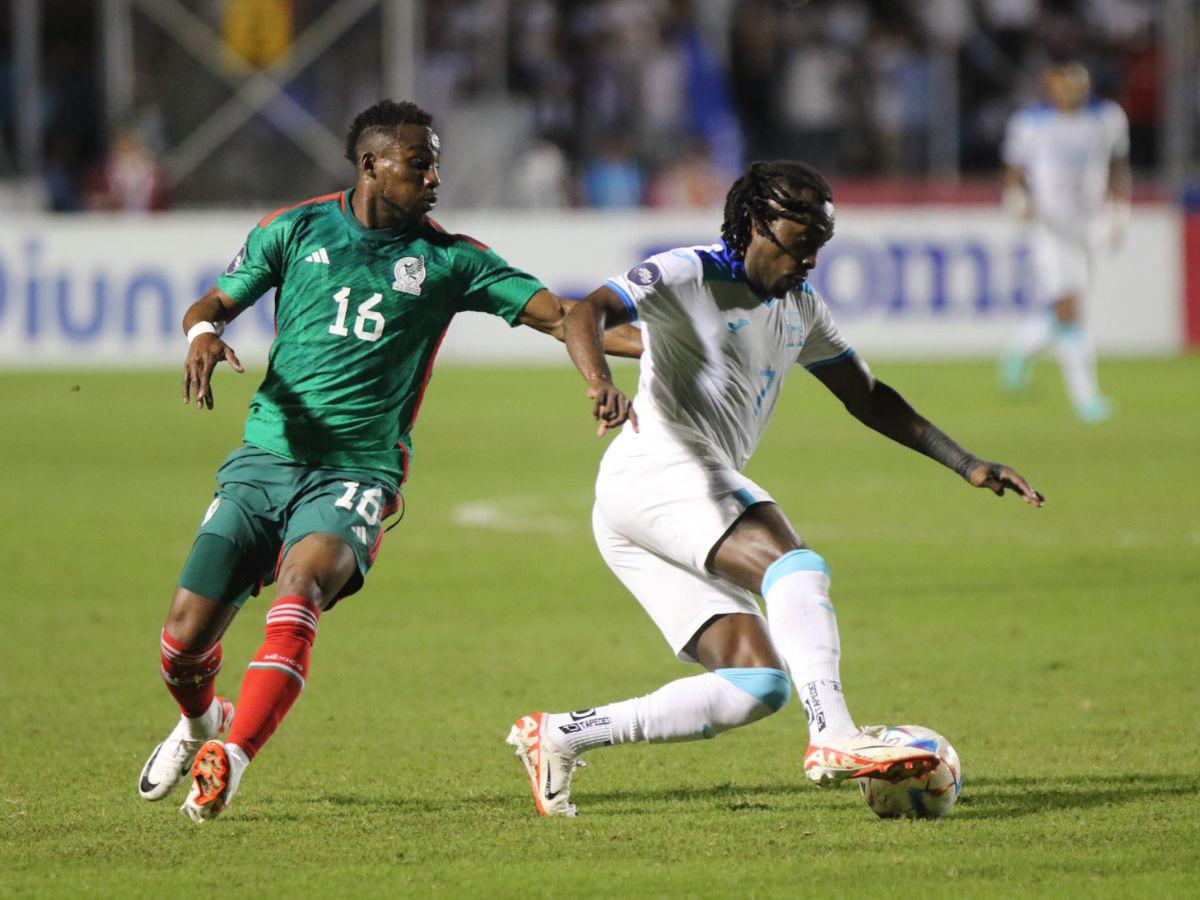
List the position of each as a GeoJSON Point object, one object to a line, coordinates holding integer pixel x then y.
{"type": "Point", "coordinates": [920, 282]}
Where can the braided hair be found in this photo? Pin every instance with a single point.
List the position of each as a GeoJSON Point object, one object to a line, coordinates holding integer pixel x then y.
{"type": "Point", "coordinates": [384, 114]}
{"type": "Point", "coordinates": [781, 189]}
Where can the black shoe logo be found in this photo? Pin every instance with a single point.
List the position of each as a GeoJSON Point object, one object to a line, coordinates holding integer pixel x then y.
{"type": "Point", "coordinates": [146, 785]}
{"type": "Point", "coordinates": [550, 795]}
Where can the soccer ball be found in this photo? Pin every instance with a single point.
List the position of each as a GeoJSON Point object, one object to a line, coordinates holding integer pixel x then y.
{"type": "Point", "coordinates": [929, 796]}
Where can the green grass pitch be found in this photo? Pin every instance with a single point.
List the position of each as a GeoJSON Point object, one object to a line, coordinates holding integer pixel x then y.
{"type": "Point", "coordinates": [1057, 649]}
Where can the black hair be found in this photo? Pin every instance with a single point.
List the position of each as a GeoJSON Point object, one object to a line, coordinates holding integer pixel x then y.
{"type": "Point", "coordinates": [781, 189]}
{"type": "Point", "coordinates": [384, 114]}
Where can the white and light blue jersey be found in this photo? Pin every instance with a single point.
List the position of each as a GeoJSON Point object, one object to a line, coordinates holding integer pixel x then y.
{"type": "Point", "coordinates": [716, 354]}
{"type": "Point", "coordinates": [1066, 157]}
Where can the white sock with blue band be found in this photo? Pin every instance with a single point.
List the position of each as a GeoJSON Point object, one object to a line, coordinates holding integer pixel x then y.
{"type": "Point", "coordinates": [687, 709]}
{"type": "Point", "coordinates": [1077, 358]}
{"type": "Point", "coordinates": [804, 629]}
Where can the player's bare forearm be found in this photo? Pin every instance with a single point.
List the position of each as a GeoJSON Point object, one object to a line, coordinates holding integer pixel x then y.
{"type": "Point", "coordinates": [1120, 195]}
{"type": "Point", "coordinates": [619, 339]}
{"type": "Point", "coordinates": [214, 306]}
{"type": "Point", "coordinates": [547, 312]}
{"type": "Point", "coordinates": [1015, 198]}
{"type": "Point", "coordinates": [880, 407]}
{"type": "Point", "coordinates": [891, 415]}
{"type": "Point", "coordinates": [1015, 175]}
{"type": "Point", "coordinates": [1120, 180]}
{"type": "Point", "coordinates": [623, 340]}
{"type": "Point", "coordinates": [207, 349]}
{"type": "Point", "coordinates": [584, 331]}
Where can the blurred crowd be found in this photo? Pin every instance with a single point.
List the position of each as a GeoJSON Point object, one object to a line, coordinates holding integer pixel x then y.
{"type": "Point", "coordinates": [660, 102]}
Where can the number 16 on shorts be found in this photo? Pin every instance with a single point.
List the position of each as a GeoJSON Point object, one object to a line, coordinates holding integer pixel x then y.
{"type": "Point", "coordinates": [370, 501]}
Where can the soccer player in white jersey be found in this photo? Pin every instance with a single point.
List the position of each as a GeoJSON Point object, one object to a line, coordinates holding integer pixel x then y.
{"type": "Point", "coordinates": [679, 524]}
{"type": "Point", "coordinates": [1067, 175]}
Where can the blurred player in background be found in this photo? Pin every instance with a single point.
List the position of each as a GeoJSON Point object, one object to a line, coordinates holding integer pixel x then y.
{"type": "Point", "coordinates": [367, 286]}
{"type": "Point", "coordinates": [688, 534]}
{"type": "Point", "coordinates": [1067, 173]}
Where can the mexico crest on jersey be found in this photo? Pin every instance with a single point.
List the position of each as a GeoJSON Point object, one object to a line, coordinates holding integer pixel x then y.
{"type": "Point", "coordinates": [409, 275]}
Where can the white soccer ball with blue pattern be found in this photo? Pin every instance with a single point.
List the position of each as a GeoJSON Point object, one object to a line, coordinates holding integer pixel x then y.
{"type": "Point", "coordinates": [929, 796]}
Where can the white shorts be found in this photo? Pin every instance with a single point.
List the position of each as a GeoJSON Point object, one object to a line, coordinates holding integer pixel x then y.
{"type": "Point", "coordinates": [657, 518]}
{"type": "Point", "coordinates": [1062, 264]}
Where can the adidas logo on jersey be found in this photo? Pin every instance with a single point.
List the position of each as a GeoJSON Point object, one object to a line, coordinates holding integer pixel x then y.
{"type": "Point", "coordinates": [318, 256]}
{"type": "Point", "coordinates": [360, 532]}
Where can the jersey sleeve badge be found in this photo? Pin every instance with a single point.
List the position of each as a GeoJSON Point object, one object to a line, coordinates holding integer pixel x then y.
{"type": "Point", "coordinates": [646, 274]}
{"type": "Point", "coordinates": [236, 262]}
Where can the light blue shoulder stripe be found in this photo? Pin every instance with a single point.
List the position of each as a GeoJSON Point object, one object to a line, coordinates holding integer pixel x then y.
{"type": "Point", "coordinates": [745, 497]}
{"type": "Point", "coordinates": [770, 687]}
{"type": "Point", "coordinates": [625, 298]}
{"type": "Point", "coordinates": [793, 561]}
{"type": "Point", "coordinates": [693, 260]}
{"type": "Point", "coordinates": [841, 357]}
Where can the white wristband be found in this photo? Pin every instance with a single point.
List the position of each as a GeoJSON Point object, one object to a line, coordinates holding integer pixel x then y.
{"type": "Point", "coordinates": [204, 328]}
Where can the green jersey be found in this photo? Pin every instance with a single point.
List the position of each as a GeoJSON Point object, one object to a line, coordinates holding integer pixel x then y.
{"type": "Point", "coordinates": [359, 316]}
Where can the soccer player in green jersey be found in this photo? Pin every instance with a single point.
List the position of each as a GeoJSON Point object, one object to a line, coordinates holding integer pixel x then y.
{"type": "Point", "coordinates": [367, 285]}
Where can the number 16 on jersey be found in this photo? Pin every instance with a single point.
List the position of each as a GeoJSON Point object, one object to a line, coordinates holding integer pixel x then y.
{"type": "Point", "coordinates": [368, 324]}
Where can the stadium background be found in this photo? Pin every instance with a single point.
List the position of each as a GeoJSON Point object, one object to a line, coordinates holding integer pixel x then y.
{"type": "Point", "coordinates": [141, 139]}
{"type": "Point", "coordinates": [577, 136]}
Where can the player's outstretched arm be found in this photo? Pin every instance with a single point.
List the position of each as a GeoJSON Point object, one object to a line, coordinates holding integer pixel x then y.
{"type": "Point", "coordinates": [878, 406]}
{"type": "Point", "coordinates": [621, 340]}
{"type": "Point", "coordinates": [203, 323]}
{"type": "Point", "coordinates": [1120, 195]}
{"type": "Point", "coordinates": [547, 313]}
{"type": "Point", "coordinates": [584, 331]}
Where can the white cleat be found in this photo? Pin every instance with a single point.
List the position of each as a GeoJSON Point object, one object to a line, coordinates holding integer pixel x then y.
{"type": "Point", "coordinates": [863, 755]}
{"type": "Point", "coordinates": [548, 766]}
{"type": "Point", "coordinates": [216, 774]}
{"type": "Point", "coordinates": [171, 760]}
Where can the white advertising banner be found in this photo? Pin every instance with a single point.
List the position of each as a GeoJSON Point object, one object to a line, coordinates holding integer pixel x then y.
{"type": "Point", "coordinates": [903, 282]}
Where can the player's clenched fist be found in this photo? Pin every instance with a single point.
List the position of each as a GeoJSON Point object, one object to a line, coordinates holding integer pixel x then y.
{"type": "Point", "coordinates": [610, 407]}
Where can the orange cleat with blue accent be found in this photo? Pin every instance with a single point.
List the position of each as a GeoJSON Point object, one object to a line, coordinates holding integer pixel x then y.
{"type": "Point", "coordinates": [864, 755]}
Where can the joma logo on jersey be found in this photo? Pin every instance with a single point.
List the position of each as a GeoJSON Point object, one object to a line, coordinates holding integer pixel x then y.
{"type": "Point", "coordinates": [409, 275]}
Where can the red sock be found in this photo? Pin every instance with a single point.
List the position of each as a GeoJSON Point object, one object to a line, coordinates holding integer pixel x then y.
{"type": "Point", "coordinates": [190, 674]}
{"type": "Point", "coordinates": [274, 680]}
